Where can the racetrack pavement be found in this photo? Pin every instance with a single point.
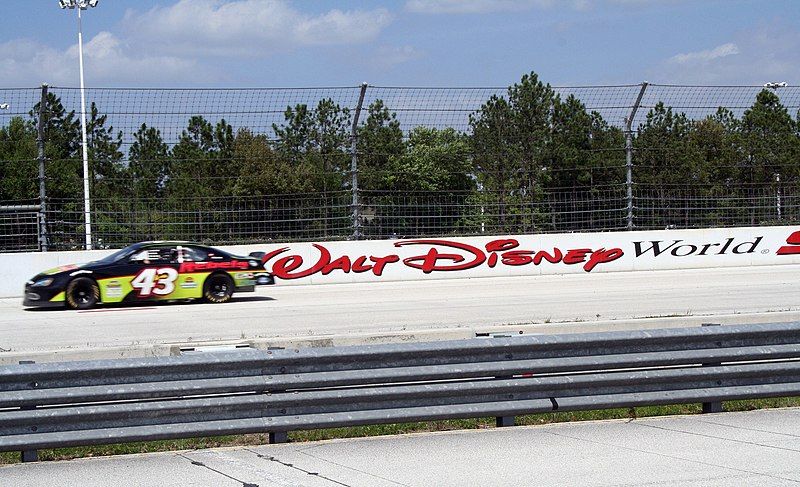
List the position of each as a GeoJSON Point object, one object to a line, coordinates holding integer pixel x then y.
{"type": "Point", "coordinates": [739, 294]}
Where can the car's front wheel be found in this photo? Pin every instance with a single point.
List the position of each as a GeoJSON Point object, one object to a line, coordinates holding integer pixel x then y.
{"type": "Point", "coordinates": [218, 288]}
{"type": "Point", "coordinates": [82, 293]}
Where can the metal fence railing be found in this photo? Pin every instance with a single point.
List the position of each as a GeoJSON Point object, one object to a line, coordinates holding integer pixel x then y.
{"type": "Point", "coordinates": [254, 165]}
{"type": "Point", "coordinates": [278, 391]}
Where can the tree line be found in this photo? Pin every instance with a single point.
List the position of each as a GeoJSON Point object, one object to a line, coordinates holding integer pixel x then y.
{"type": "Point", "coordinates": [531, 161]}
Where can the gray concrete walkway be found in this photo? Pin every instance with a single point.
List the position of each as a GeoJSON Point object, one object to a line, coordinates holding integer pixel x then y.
{"type": "Point", "coordinates": [750, 448]}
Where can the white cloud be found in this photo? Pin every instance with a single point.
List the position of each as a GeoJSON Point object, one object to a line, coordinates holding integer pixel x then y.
{"type": "Point", "coordinates": [390, 56]}
{"type": "Point", "coordinates": [488, 6]}
{"type": "Point", "coordinates": [248, 27]}
{"type": "Point", "coordinates": [106, 61]}
{"type": "Point", "coordinates": [768, 52]}
{"type": "Point", "coordinates": [729, 49]}
{"type": "Point", "coordinates": [473, 6]}
{"type": "Point", "coordinates": [180, 43]}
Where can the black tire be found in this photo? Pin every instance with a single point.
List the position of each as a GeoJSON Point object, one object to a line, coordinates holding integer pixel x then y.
{"type": "Point", "coordinates": [218, 288]}
{"type": "Point", "coordinates": [82, 293]}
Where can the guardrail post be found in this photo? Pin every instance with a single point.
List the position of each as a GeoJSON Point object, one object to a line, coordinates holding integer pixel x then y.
{"type": "Point", "coordinates": [716, 406]}
{"type": "Point", "coordinates": [278, 437]}
{"type": "Point", "coordinates": [503, 421]}
{"type": "Point", "coordinates": [28, 455]}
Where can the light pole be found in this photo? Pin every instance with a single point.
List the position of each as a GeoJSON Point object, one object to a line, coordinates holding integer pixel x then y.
{"type": "Point", "coordinates": [87, 216]}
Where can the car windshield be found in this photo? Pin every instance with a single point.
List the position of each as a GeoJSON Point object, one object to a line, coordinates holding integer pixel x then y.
{"type": "Point", "coordinates": [119, 254]}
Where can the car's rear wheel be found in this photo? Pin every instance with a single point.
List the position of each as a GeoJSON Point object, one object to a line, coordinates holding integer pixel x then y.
{"type": "Point", "coordinates": [82, 293]}
{"type": "Point", "coordinates": [218, 288]}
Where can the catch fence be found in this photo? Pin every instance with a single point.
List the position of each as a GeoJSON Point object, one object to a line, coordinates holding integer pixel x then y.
{"type": "Point", "coordinates": [258, 165]}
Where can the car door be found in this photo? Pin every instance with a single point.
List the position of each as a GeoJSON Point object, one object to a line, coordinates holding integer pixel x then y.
{"type": "Point", "coordinates": [191, 272]}
{"type": "Point", "coordinates": [155, 272]}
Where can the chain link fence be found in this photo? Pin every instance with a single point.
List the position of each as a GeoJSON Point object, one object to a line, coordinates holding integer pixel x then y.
{"type": "Point", "coordinates": [278, 165]}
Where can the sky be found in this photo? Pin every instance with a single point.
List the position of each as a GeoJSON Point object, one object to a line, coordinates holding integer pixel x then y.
{"type": "Point", "coordinates": [460, 43]}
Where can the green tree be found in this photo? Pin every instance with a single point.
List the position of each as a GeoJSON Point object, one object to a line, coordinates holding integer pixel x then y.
{"type": "Point", "coordinates": [664, 155]}
{"type": "Point", "coordinates": [771, 150]}
{"type": "Point", "coordinates": [584, 150]}
{"type": "Point", "coordinates": [294, 136]}
{"type": "Point", "coordinates": [668, 169]}
{"type": "Point", "coordinates": [104, 155]}
{"type": "Point", "coordinates": [148, 162]}
{"type": "Point", "coordinates": [583, 167]}
{"type": "Point", "coordinates": [435, 160]}
{"type": "Point", "coordinates": [433, 178]}
{"type": "Point", "coordinates": [512, 141]}
{"type": "Point", "coordinates": [200, 177]}
{"type": "Point", "coordinates": [318, 139]}
{"type": "Point", "coordinates": [496, 161]}
{"type": "Point", "coordinates": [265, 186]}
{"type": "Point", "coordinates": [201, 160]}
{"type": "Point", "coordinates": [62, 135]}
{"type": "Point", "coordinates": [18, 164]}
{"type": "Point", "coordinates": [380, 140]}
{"type": "Point", "coordinates": [769, 136]}
{"type": "Point", "coordinates": [315, 143]}
{"type": "Point", "coordinates": [264, 172]}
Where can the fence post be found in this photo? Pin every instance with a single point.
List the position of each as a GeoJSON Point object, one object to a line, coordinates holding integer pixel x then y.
{"type": "Point", "coordinates": [712, 407]}
{"type": "Point", "coordinates": [778, 194]}
{"type": "Point", "coordinates": [354, 164]}
{"type": "Point", "coordinates": [43, 244]}
{"type": "Point", "coordinates": [629, 155]}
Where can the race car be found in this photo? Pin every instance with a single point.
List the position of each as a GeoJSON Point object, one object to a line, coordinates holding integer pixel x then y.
{"type": "Point", "coordinates": [157, 271]}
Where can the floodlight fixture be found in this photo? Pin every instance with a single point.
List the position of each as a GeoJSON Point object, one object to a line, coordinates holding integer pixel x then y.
{"type": "Point", "coordinates": [775, 85]}
{"type": "Point", "coordinates": [80, 4]}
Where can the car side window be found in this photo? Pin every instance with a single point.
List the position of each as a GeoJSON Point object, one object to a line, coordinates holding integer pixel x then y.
{"type": "Point", "coordinates": [194, 254]}
{"type": "Point", "coordinates": [172, 254]}
{"type": "Point", "coordinates": [146, 256]}
{"type": "Point", "coordinates": [156, 255]}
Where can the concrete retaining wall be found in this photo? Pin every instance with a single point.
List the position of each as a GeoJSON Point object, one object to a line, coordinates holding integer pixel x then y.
{"type": "Point", "coordinates": [417, 259]}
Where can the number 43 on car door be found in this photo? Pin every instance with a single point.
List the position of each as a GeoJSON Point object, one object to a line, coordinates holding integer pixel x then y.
{"type": "Point", "coordinates": [152, 281]}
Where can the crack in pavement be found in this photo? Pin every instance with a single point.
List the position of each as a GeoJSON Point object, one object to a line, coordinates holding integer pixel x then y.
{"type": "Point", "coordinates": [675, 457]}
{"type": "Point", "coordinates": [293, 466]}
{"type": "Point", "coordinates": [304, 451]}
{"type": "Point", "coordinates": [703, 435]}
{"type": "Point", "coordinates": [201, 464]}
{"type": "Point", "coordinates": [757, 430]}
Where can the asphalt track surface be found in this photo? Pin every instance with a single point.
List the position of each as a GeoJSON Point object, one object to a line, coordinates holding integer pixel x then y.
{"type": "Point", "coordinates": [341, 309]}
{"type": "Point", "coordinates": [749, 448]}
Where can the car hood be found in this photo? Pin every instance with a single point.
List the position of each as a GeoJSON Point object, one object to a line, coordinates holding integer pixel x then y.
{"type": "Point", "coordinates": [64, 268]}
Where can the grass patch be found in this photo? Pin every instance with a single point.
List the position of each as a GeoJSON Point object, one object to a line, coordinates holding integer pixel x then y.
{"type": "Point", "coordinates": [393, 429]}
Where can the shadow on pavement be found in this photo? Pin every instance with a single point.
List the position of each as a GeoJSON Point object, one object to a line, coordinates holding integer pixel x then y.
{"type": "Point", "coordinates": [148, 304]}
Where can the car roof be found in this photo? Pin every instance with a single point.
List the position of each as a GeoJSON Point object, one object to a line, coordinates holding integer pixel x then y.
{"type": "Point", "coordinates": [154, 243]}
{"type": "Point", "coordinates": [166, 242]}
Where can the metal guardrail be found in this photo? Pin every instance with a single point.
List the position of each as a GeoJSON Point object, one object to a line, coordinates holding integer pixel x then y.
{"type": "Point", "coordinates": [254, 391]}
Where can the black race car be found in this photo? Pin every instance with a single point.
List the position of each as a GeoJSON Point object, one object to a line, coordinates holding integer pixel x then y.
{"type": "Point", "coordinates": [149, 271]}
